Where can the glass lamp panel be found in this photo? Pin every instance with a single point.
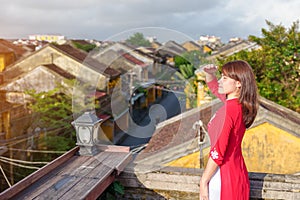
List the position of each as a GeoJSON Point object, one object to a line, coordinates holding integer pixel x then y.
{"type": "Point", "coordinates": [84, 135]}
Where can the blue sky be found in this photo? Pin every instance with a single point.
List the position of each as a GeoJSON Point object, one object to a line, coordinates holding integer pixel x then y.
{"type": "Point", "coordinates": [103, 19]}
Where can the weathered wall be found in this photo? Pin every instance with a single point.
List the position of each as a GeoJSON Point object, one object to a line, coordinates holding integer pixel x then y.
{"type": "Point", "coordinates": [183, 184]}
{"type": "Point", "coordinates": [269, 149]}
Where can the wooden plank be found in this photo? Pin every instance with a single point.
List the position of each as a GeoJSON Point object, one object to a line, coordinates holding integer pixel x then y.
{"type": "Point", "coordinates": [21, 185]}
{"type": "Point", "coordinates": [87, 184]}
{"type": "Point", "coordinates": [123, 163]}
{"type": "Point", "coordinates": [52, 178]}
{"type": "Point", "coordinates": [100, 188]}
{"type": "Point", "coordinates": [72, 176]}
{"type": "Point", "coordinates": [92, 185]}
{"type": "Point", "coordinates": [77, 175]}
{"type": "Point", "coordinates": [113, 148]}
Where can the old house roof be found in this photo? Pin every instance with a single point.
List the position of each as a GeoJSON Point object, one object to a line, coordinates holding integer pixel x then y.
{"type": "Point", "coordinates": [82, 42]}
{"type": "Point", "coordinates": [60, 71]}
{"type": "Point", "coordinates": [171, 48]}
{"type": "Point", "coordinates": [41, 78]}
{"type": "Point", "coordinates": [10, 47]}
{"type": "Point", "coordinates": [177, 132]}
{"type": "Point", "coordinates": [122, 57]}
{"type": "Point", "coordinates": [192, 43]}
{"type": "Point", "coordinates": [77, 55]}
{"type": "Point", "coordinates": [233, 47]}
{"type": "Point", "coordinates": [85, 59]}
{"type": "Point", "coordinates": [156, 44]}
{"type": "Point", "coordinates": [5, 49]}
{"type": "Point", "coordinates": [131, 58]}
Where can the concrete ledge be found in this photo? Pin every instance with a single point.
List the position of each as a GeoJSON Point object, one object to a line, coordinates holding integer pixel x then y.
{"type": "Point", "coordinates": [183, 184]}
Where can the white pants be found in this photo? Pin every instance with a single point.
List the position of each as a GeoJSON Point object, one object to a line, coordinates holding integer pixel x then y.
{"type": "Point", "coordinates": [214, 186]}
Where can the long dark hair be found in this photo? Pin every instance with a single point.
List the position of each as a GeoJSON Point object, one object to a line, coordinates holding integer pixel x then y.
{"type": "Point", "coordinates": [241, 71]}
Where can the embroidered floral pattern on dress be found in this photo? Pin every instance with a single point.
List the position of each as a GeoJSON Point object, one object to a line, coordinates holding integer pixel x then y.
{"type": "Point", "coordinates": [214, 154]}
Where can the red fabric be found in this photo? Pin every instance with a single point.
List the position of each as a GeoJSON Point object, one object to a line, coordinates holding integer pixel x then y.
{"type": "Point", "coordinates": [226, 131]}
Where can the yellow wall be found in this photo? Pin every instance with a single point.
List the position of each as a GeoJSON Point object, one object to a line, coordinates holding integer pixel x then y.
{"type": "Point", "coordinates": [190, 47]}
{"type": "Point", "coordinates": [108, 130]}
{"type": "Point", "coordinates": [207, 49]}
{"type": "Point", "coordinates": [269, 149]}
{"type": "Point", "coordinates": [190, 161]}
{"type": "Point", "coordinates": [5, 60]}
{"type": "Point", "coordinates": [2, 63]}
{"type": "Point", "coordinates": [266, 148]}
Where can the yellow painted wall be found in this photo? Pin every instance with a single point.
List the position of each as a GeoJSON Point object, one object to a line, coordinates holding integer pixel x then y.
{"type": "Point", "coordinates": [2, 63]}
{"type": "Point", "coordinates": [269, 149]}
{"type": "Point", "coordinates": [190, 47]}
{"type": "Point", "coordinates": [206, 49]}
{"type": "Point", "coordinates": [190, 161]}
{"type": "Point", "coordinates": [6, 59]}
{"type": "Point", "coordinates": [108, 130]}
{"type": "Point", "coordinates": [266, 148]}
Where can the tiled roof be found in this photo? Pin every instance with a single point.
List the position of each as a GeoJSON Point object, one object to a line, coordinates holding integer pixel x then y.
{"type": "Point", "coordinates": [59, 71]}
{"type": "Point", "coordinates": [280, 110]}
{"type": "Point", "coordinates": [5, 49]}
{"type": "Point", "coordinates": [82, 42]}
{"type": "Point", "coordinates": [133, 59]}
{"type": "Point", "coordinates": [19, 51]}
{"type": "Point", "coordinates": [193, 43]}
{"type": "Point", "coordinates": [179, 130]}
{"type": "Point", "coordinates": [83, 57]}
{"type": "Point", "coordinates": [171, 48]}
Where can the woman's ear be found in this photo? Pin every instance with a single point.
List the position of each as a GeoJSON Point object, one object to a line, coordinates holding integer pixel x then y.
{"type": "Point", "coordinates": [238, 84]}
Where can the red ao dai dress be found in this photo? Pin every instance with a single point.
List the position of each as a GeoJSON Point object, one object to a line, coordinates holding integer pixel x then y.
{"type": "Point", "coordinates": [226, 130]}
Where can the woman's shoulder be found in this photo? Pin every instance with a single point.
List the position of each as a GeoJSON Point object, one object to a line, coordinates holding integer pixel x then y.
{"type": "Point", "coordinates": [233, 107]}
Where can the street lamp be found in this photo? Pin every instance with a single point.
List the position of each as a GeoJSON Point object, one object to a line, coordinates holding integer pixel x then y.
{"type": "Point", "coordinates": [87, 126]}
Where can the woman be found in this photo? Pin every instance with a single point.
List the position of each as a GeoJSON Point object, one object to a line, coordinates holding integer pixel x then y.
{"type": "Point", "coordinates": [226, 175]}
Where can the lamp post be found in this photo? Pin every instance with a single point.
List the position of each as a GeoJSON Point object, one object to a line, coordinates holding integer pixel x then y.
{"type": "Point", "coordinates": [87, 126]}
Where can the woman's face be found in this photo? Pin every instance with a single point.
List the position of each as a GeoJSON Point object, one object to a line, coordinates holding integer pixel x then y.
{"type": "Point", "coordinates": [229, 86]}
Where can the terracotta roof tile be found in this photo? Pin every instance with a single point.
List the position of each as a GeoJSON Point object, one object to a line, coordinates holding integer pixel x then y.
{"type": "Point", "coordinates": [19, 51]}
{"type": "Point", "coordinates": [60, 71]}
{"type": "Point", "coordinates": [84, 58]}
{"type": "Point", "coordinates": [177, 132]}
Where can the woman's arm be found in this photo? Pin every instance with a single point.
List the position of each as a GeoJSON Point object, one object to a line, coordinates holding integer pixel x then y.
{"type": "Point", "coordinates": [212, 82]}
{"type": "Point", "coordinates": [209, 171]}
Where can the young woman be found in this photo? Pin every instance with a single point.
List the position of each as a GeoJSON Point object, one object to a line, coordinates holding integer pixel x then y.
{"type": "Point", "coordinates": [226, 175]}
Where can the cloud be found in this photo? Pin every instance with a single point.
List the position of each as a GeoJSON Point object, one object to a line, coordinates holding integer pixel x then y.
{"type": "Point", "coordinates": [100, 19]}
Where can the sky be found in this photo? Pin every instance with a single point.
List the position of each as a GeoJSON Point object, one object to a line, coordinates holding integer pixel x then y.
{"type": "Point", "coordinates": [163, 19]}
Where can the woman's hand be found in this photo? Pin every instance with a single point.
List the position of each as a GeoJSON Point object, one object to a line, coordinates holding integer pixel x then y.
{"type": "Point", "coordinates": [210, 72]}
{"type": "Point", "coordinates": [203, 190]}
{"type": "Point", "coordinates": [210, 69]}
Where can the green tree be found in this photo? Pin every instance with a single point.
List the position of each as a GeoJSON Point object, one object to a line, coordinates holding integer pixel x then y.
{"type": "Point", "coordinates": [84, 47]}
{"type": "Point", "coordinates": [195, 57]}
{"type": "Point", "coordinates": [186, 64]}
{"type": "Point", "coordinates": [52, 112]}
{"type": "Point", "coordinates": [276, 64]}
{"type": "Point", "coordinates": [187, 70]}
{"type": "Point", "coordinates": [138, 40]}
{"type": "Point", "coordinates": [180, 60]}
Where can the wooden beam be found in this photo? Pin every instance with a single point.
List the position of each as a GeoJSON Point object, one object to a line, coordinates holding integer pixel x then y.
{"type": "Point", "coordinates": [113, 148]}
{"type": "Point", "coordinates": [35, 176]}
{"type": "Point", "coordinates": [100, 188]}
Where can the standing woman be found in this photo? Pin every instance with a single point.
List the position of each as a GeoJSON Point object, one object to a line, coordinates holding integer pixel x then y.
{"type": "Point", "coordinates": [226, 175]}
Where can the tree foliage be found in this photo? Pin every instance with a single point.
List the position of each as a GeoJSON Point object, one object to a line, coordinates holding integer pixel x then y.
{"type": "Point", "coordinates": [138, 40]}
{"type": "Point", "coordinates": [276, 64]}
{"type": "Point", "coordinates": [187, 70]}
{"type": "Point", "coordinates": [84, 47]}
{"type": "Point", "coordinates": [52, 112]}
